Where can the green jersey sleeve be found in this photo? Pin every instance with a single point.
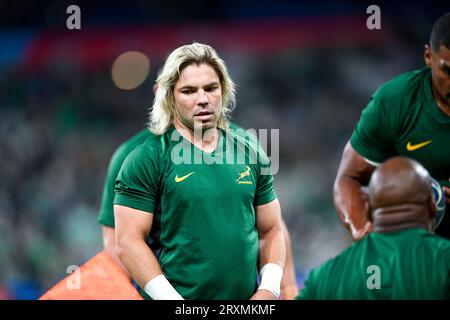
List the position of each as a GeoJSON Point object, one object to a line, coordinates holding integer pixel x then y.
{"type": "Point", "coordinates": [265, 191]}
{"type": "Point", "coordinates": [137, 184]}
{"type": "Point", "coordinates": [106, 213]}
{"type": "Point", "coordinates": [374, 135]}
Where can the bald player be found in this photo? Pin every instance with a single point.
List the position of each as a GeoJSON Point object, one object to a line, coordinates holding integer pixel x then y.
{"type": "Point", "coordinates": [401, 258]}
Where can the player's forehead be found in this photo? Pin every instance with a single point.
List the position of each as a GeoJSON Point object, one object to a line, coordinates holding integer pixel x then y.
{"type": "Point", "coordinates": [195, 75]}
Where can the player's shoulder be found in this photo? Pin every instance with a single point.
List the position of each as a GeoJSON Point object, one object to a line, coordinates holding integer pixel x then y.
{"type": "Point", "coordinates": [437, 242]}
{"type": "Point", "coordinates": [437, 245]}
{"type": "Point", "coordinates": [124, 149]}
{"type": "Point", "coordinates": [131, 143]}
{"type": "Point", "coordinates": [243, 136]}
{"type": "Point", "coordinates": [150, 145]}
{"type": "Point", "coordinates": [332, 264]}
{"type": "Point", "coordinates": [247, 139]}
{"type": "Point", "coordinates": [351, 254]}
{"type": "Point", "coordinates": [403, 86]}
{"type": "Point", "coordinates": [319, 278]}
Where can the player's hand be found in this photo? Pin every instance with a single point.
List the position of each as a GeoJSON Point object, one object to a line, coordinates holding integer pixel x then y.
{"type": "Point", "coordinates": [262, 294]}
{"type": "Point", "coordinates": [289, 292]}
{"type": "Point", "coordinates": [358, 234]}
{"type": "Point", "coordinates": [447, 193]}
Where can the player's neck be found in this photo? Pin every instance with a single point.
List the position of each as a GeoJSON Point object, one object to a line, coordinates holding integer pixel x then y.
{"type": "Point", "coordinates": [400, 217]}
{"type": "Point", "coordinates": [441, 103]}
{"type": "Point", "coordinates": [205, 140]}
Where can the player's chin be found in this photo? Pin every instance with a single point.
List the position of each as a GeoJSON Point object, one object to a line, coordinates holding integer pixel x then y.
{"type": "Point", "coordinates": [206, 124]}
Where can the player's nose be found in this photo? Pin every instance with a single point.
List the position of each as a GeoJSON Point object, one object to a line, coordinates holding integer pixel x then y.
{"type": "Point", "coordinates": [202, 97]}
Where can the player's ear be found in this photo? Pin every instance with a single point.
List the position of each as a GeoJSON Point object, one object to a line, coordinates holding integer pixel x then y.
{"type": "Point", "coordinates": [427, 55]}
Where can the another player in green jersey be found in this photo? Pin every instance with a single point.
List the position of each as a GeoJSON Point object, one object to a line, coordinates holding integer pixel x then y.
{"type": "Point", "coordinates": [407, 116]}
{"type": "Point", "coordinates": [289, 286]}
{"type": "Point", "coordinates": [401, 258]}
{"type": "Point", "coordinates": [213, 212]}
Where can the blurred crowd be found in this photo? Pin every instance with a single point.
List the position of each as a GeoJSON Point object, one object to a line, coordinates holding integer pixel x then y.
{"type": "Point", "coordinates": [60, 126]}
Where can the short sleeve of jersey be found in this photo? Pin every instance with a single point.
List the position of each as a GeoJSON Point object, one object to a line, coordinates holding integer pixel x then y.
{"type": "Point", "coordinates": [106, 214]}
{"type": "Point", "coordinates": [373, 134]}
{"type": "Point", "coordinates": [137, 184]}
{"type": "Point", "coordinates": [265, 191]}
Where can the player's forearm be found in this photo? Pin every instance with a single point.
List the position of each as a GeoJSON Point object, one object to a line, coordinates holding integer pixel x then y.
{"type": "Point", "coordinates": [351, 203]}
{"type": "Point", "coordinates": [272, 259]}
{"type": "Point", "coordinates": [112, 253]}
{"type": "Point", "coordinates": [137, 257]}
{"type": "Point", "coordinates": [109, 244]}
{"type": "Point", "coordinates": [145, 269]}
{"type": "Point", "coordinates": [273, 247]}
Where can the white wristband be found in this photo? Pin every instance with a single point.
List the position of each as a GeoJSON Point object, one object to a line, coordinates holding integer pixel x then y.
{"type": "Point", "coordinates": [160, 289]}
{"type": "Point", "coordinates": [271, 275]}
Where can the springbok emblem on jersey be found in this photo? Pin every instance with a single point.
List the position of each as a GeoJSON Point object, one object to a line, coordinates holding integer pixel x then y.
{"type": "Point", "coordinates": [242, 175]}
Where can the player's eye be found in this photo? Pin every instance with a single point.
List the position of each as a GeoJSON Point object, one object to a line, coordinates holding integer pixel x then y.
{"type": "Point", "coordinates": [446, 69]}
{"type": "Point", "coordinates": [187, 91]}
{"type": "Point", "coordinates": [211, 89]}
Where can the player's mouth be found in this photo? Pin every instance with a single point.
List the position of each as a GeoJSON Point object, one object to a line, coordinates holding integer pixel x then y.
{"type": "Point", "coordinates": [203, 115]}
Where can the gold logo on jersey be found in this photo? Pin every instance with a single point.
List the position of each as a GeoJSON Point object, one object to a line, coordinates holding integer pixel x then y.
{"type": "Point", "coordinates": [242, 175]}
{"type": "Point", "coordinates": [179, 179]}
{"type": "Point", "coordinates": [413, 147]}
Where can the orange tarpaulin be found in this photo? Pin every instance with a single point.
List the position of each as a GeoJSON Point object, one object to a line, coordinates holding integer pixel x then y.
{"type": "Point", "coordinates": [98, 279]}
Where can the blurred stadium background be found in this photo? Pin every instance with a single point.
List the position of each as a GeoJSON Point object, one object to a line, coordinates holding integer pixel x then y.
{"type": "Point", "coordinates": [307, 68]}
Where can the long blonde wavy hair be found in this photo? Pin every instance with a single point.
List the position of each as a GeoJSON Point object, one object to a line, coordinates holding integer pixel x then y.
{"type": "Point", "coordinates": [162, 112]}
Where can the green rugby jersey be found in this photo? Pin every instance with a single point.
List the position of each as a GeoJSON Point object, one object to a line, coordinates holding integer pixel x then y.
{"type": "Point", "coordinates": [412, 264]}
{"type": "Point", "coordinates": [403, 119]}
{"type": "Point", "coordinates": [208, 228]}
{"type": "Point", "coordinates": [106, 213]}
